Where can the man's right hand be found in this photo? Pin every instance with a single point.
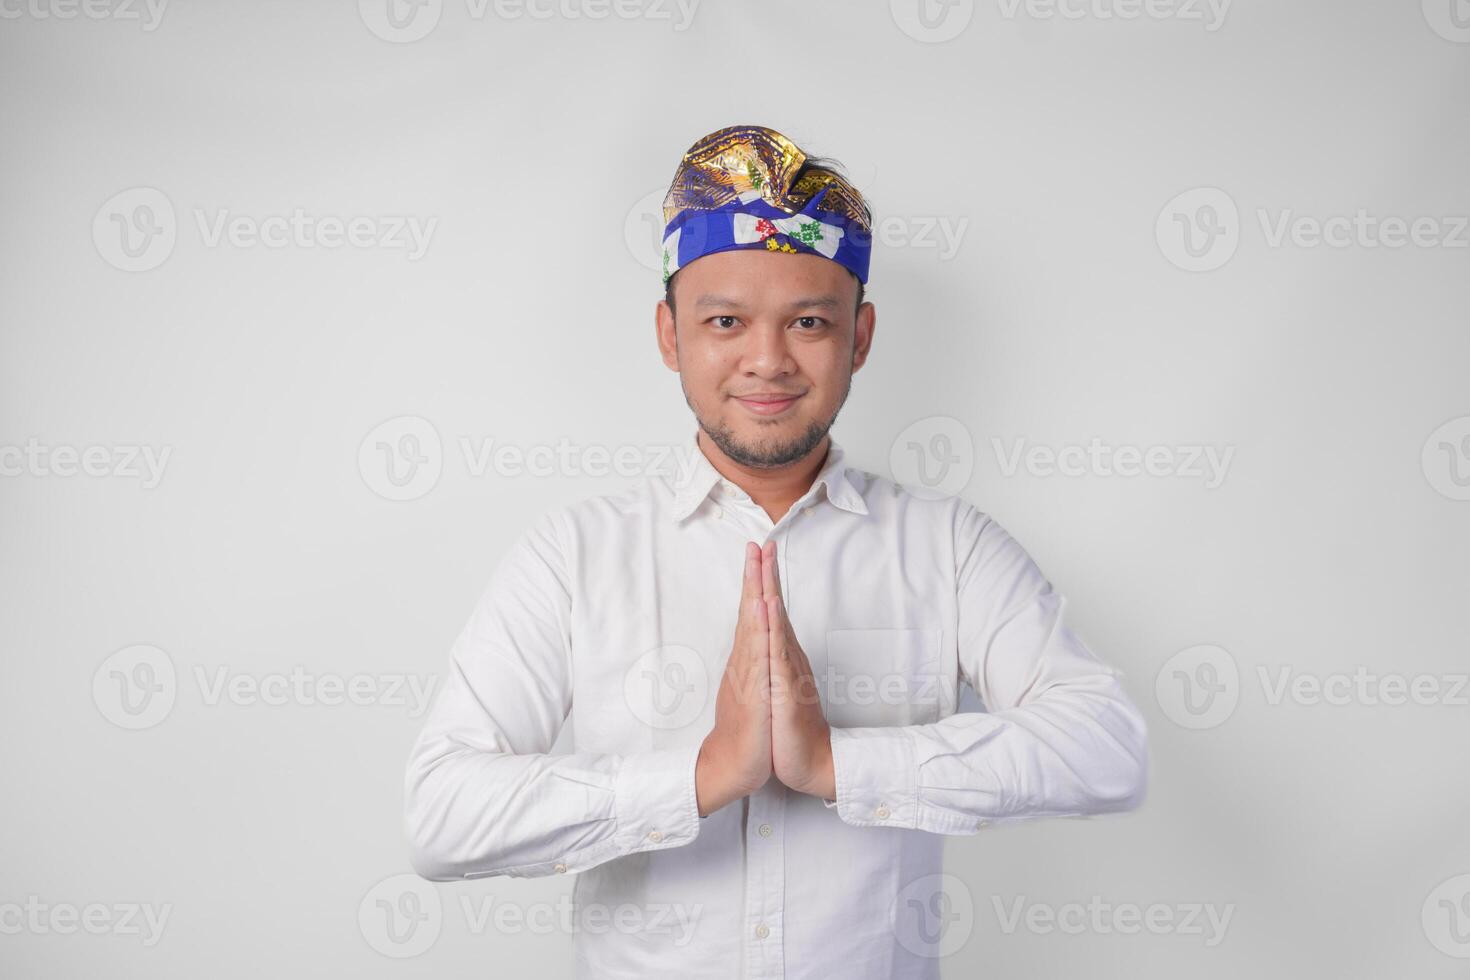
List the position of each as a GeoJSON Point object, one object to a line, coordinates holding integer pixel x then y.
{"type": "Point", "coordinates": [735, 759]}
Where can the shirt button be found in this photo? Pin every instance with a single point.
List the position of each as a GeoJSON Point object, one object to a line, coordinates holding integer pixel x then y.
{"type": "Point", "coordinates": [761, 932]}
{"type": "Point", "coordinates": [560, 868]}
{"type": "Point", "coordinates": [718, 511]}
{"type": "Point", "coordinates": [765, 830]}
{"type": "Point", "coordinates": [655, 836]}
{"type": "Point", "coordinates": [881, 813]}
{"type": "Point", "coordinates": [982, 825]}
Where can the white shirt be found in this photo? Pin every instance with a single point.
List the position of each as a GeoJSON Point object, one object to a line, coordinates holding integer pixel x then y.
{"type": "Point", "coordinates": [617, 614]}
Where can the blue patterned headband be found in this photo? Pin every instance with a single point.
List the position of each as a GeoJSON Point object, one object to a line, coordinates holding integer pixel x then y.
{"type": "Point", "coordinates": [744, 187]}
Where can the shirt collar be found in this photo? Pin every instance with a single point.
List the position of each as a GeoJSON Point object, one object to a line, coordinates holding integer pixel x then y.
{"type": "Point", "coordinates": [693, 486]}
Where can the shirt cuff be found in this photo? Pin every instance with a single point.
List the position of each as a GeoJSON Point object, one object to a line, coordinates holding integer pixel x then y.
{"type": "Point", "coordinates": [877, 777]}
{"type": "Point", "coordinates": [654, 800]}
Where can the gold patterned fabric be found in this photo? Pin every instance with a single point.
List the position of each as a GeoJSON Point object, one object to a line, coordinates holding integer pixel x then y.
{"type": "Point", "coordinates": [745, 187]}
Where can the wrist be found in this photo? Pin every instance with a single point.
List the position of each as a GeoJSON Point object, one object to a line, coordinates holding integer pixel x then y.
{"type": "Point", "coordinates": [821, 781]}
{"type": "Point", "coordinates": [713, 787]}
{"type": "Point", "coordinates": [705, 790]}
{"type": "Point", "coordinates": [826, 787]}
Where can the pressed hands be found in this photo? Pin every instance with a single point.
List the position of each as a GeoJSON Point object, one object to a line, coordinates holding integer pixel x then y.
{"type": "Point", "coordinates": [768, 716]}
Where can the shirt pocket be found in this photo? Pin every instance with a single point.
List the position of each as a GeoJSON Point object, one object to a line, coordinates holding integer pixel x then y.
{"type": "Point", "coordinates": [881, 677]}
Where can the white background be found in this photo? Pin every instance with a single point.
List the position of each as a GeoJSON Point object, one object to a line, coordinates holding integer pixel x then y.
{"type": "Point", "coordinates": [1054, 143]}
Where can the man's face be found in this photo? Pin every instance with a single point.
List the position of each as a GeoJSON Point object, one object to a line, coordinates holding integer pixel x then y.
{"type": "Point", "coordinates": [765, 344]}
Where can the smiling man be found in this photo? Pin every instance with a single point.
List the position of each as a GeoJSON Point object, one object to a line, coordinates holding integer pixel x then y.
{"type": "Point", "coordinates": [761, 659]}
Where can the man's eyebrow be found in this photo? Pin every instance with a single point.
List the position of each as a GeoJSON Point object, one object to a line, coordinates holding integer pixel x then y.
{"type": "Point", "coordinates": [826, 302]}
{"type": "Point", "coordinates": [711, 300]}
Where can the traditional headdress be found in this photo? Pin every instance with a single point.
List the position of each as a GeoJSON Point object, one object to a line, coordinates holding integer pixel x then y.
{"type": "Point", "coordinates": [745, 187]}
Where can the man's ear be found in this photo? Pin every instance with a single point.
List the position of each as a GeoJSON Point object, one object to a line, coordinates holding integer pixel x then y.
{"type": "Point", "coordinates": [862, 336]}
{"type": "Point", "coordinates": [668, 340]}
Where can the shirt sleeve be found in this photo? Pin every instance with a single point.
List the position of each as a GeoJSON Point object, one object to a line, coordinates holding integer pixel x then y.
{"type": "Point", "coordinates": [482, 794]}
{"type": "Point", "coordinates": [1060, 736]}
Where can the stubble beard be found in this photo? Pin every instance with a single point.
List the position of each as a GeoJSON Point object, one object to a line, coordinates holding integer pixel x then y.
{"type": "Point", "coordinates": [766, 456]}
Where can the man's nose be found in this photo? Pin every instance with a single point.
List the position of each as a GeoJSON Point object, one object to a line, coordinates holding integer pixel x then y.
{"type": "Point", "coordinates": [766, 349]}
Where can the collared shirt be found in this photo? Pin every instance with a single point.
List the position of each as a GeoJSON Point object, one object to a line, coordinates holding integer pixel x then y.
{"type": "Point", "coordinates": [616, 615]}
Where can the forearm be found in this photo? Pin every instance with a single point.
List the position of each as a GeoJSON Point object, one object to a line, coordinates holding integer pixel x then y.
{"type": "Point", "coordinates": [471, 813]}
{"type": "Point", "coordinates": [1074, 751]}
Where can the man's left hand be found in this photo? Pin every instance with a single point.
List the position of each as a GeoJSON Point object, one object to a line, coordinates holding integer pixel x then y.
{"type": "Point", "coordinates": [801, 742]}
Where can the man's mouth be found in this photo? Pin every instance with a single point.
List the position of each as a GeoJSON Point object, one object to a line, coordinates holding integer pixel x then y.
{"type": "Point", "coordinates": [768, 403]}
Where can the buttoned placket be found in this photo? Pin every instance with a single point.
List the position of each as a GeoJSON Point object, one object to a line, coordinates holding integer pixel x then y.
{"type": "Point", "coordinates": [764, 810]}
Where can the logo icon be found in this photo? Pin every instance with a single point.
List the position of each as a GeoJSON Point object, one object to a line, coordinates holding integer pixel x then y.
{"type": "Point", "coordinates": [1446, 917]}
{"type": "Point", "coordinates": [135, 230]}
{"type": "Point", "coordinates": [135, 688]}
{"type": "Point", "coordinates": [932, 21]}
{"type": "Point", "coordinates": [1446, 458]}
{"type": "Point", "coordinates": [667, 687]}
{"type": "Point", "coordinates": [933, 458]}
{"type": "Point", "coordinates": [400, 21]}
{"type": "Point", "coordinates": [933, 916]}
{"type": "Point", "coordinates": [401, 459]}
{"type": "Point", "coordinates": [1198, 687]}
{"type": "Point", "coordinates": [1199, 230]}
{"type": "Point", "coordinates": [401, 916]}
{"type": "Point", "coordinates": [643, 230]}
{"type": "Point", "coordinates": [1450, 19]}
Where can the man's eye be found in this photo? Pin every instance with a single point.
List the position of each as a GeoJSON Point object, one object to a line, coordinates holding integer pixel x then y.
{"type": "Point", "coordinates": [720, 321]}
{"type": "Point", "coordinates": [810, 322]}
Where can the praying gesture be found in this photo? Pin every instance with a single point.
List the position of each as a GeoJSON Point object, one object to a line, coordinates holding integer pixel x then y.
{"type": "Point", "coordinates": [768, 715]}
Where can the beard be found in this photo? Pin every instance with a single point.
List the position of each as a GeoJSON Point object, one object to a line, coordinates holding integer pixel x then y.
{"type": "Point", "coordinates": [766, 454]}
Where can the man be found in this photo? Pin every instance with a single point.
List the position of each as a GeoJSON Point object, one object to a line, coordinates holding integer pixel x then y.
{"type": "Point", "coordinates": [761, 659]}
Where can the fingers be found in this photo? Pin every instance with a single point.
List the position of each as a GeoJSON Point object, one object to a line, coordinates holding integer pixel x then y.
{"type": "Point", "coordinates": [791, 673]}
{"type": "Point", "coordinates": [750, 582]}
{"type": "Point", "coordinates": [780, 666]}
{"type": "Point", "coordinates": [782, 634]}
{"type": "Point", "coordinates": [770, 579]}
{"type": "Point", "coordinates": [750, 590]}
{"type": "Point", "coordinates": [791, 645]}
{"type": "Point", "coordinates": [750, 657]}
{"type": "Point", "coordinates": [755, 666]}
{"type": "Point", "coordinates": [777, 627]}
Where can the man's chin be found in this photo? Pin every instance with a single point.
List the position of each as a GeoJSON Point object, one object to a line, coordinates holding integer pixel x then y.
{"type": "Point", "coordinates": [769, 445]}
